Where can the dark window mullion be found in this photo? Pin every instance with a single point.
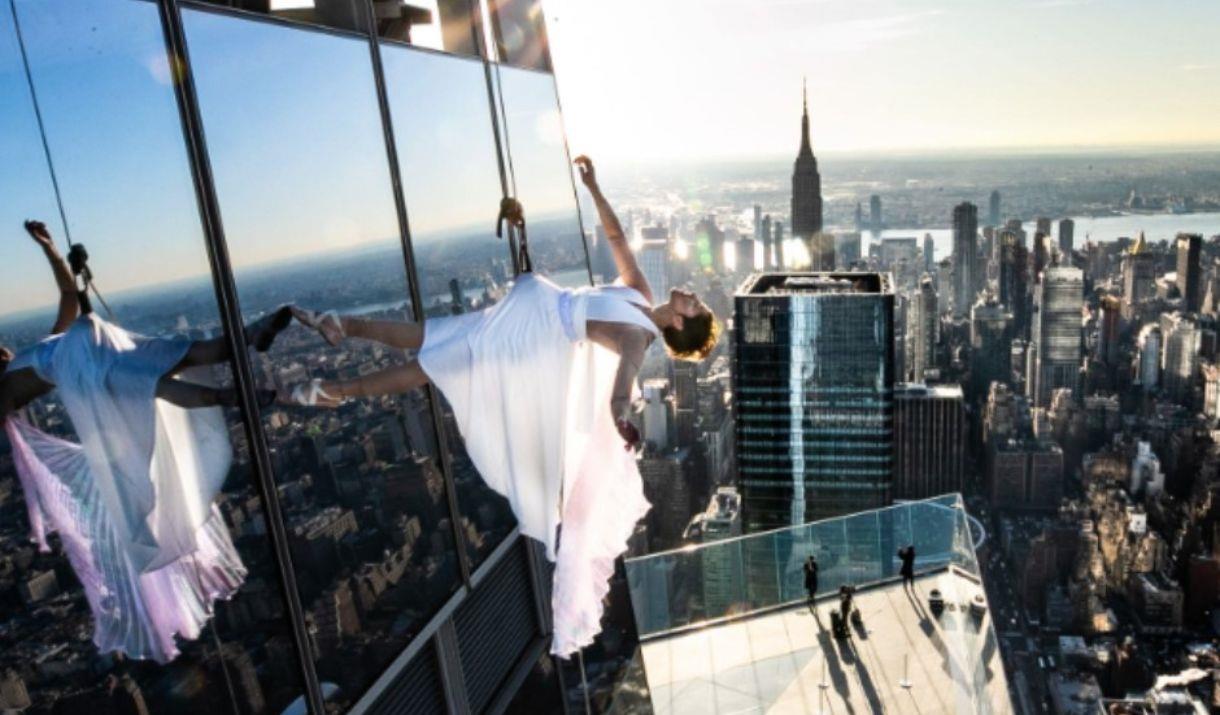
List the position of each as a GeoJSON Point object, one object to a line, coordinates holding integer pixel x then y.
{"type": "Point", "coordinates": [417, 303]}
{"type": "Point", "coordinates": [231, 317]}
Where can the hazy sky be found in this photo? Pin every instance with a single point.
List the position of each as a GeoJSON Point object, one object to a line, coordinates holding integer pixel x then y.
{"type": "Point", "coordinates": [688, 79]}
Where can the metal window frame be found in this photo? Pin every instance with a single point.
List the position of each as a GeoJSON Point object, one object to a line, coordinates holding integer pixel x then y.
{"type": "Point", "coordinates": [243, 374]}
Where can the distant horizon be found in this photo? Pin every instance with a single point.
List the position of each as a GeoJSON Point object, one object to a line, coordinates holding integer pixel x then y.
{"type": "Point", "coordinates": [947, 152]}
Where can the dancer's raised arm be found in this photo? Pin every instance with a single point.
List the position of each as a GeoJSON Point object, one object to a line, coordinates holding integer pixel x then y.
{"type": "Point", "coordinates": [628, 270]}
{"type": "Point", "coordinates": [69, 303]}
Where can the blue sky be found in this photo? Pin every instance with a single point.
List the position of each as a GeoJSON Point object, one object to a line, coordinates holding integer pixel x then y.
{"type": "Point", "coordinates": [300, 164]}
{"type": "Point", "coordinates": [293, 131]}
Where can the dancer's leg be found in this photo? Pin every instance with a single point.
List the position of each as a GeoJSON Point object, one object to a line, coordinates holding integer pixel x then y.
{"type": "Point", "coordinates": [259, 334]}
{"type": "Point", "coordinates": [191, 396]}
{"type": "Point", "coordinates": [391, 381]}
{"type": "Point", "coordinates": [396, 334]}
{"type": "Point", "coordinates": [203, 352]}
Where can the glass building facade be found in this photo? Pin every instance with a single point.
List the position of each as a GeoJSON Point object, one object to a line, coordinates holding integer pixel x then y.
{"type": "Point", "coordinates": [220, 160]}
{"type": "Point", "coordinates": [813, 385]}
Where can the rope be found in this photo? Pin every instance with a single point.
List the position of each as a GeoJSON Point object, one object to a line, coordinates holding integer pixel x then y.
{"type": "Point", "coordinates": [83, 271]}
{"type": "Point", "coordinates": [42, 130]}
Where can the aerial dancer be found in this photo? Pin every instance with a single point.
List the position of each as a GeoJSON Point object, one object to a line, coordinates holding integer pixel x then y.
{"type": "Point", "coordinates": [132, 501]}
{"type": "Point", "coordinates": [541, 385]}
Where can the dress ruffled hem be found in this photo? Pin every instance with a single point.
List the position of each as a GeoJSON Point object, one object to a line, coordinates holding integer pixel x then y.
{"type": "Point", "coordinates": [596, 531]}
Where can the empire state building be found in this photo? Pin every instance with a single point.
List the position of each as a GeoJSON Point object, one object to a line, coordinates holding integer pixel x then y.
{"type": "Point", "coordinates": [807, 200]}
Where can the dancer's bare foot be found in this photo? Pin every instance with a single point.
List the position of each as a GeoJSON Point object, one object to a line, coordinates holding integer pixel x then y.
{"type": "Point", "coordinates": [328, 324]}
{"type": "Point", "coordinates": [262, 333]}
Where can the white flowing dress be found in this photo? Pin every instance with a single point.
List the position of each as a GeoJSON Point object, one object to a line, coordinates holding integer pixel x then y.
{"type": "Point", "coordinates": [531, 397]}
{"type": "Point", "coordinates": [132, 502]}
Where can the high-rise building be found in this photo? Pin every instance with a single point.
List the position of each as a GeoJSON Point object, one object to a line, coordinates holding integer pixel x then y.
{"type": "Point", "coordinates": [406, 557]}
{"type": "Point", "coordinates": [806, 185]}
{"type": "Point", "coordinates": [1067, 230]}
{"type": "Point", "coordinates": [993, 208]}
{"type": "Point", "coordinates": [757, 222]}
{"type": "Point", "coordinates": [1139, 276]}
{"type": "Point", "coordinates": [658, 414]}
{"type": "Point", "coordinates": [778, 240]}
{"type": "Point", "coordinates": [965, 246]}
{"type": "Point", "coordinates": [708, 234]}
{"type": "Point", "coordinates": [1043, 226]}
{"type": "Point", "coordinates": [847, 250]}
{"type": "Point", "coordinates": [1148, 372]}
{"type": "Point", "coordinates": [929, 440]}
{"type": "Point", "coordinates": [1180, 356]}
{"type": "Point", "coordinates": [769, 250]}
{"type": "Point", "coordinates": [876, 221]}
{"type": "Point", "coordinates": [990, 345]}
{"type": "Point", "coordinates": [667, 487]}
{"type": "Point", "coordinates": [1013, 279]}
{"type": "Point", "coordinates": [813, 383]}
{"type": "Point", "coordinates": [1041, 255]}
{"type": "Point", "coordinates": [1025, 473]}
{"type": "Point", "coordinates": [923, 321]}
{"type": "Point", "coordinates": [722, 574]}
{"type": "Point", "coordinates": [929, 254]}
{"type": "Point", "coordinates": [744, 253]}
{"type": "Point", "coordinates": [1190, 271]}
{"type": "Point", "coordinates": [1108, 330]}
{"type": "Point", "coordinates": [1056, 349]}
{"type": "Point", "coordinates": [822, 251]}
{"type": "Point", "coordinates": [653, 256]}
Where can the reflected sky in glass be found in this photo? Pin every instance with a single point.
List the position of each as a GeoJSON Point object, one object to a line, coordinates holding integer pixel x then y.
{"type": "Point", "coordinates": [542, 175]}
{"type": "Point", "coordinates": [121, 177]}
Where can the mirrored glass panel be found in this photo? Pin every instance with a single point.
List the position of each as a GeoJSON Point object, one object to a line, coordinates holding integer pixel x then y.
{"type": "Point", "coordinates": [302, 173]}
{"type": "Point", "coordinates": [135, 569]}
{"type": "Point", "coordinates": [451, 178]}
{"type": "Point", "coordinates": [520, 32]}
{"type": "Point", "coordinates": [542, 175]}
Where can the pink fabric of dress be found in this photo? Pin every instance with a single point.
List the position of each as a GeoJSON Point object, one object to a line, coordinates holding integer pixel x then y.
{"type": "Point", "coordinates": [531, 396]}
{"type": "Point", "coordinates": [133, 502]}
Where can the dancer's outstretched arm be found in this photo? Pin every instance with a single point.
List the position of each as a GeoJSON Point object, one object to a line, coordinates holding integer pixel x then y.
{"type": "Point", "coordinates": [624, 260]}
{"type": "Point", "coordinates": [69, 303]}
{"type": "Point", "coordinates": [396, 334]}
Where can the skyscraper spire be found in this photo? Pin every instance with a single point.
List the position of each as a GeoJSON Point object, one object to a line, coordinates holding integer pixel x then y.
{"type": "Point", "coordinates": [806, 148]}
{"type": "Point", "coordinates": [806, 185]}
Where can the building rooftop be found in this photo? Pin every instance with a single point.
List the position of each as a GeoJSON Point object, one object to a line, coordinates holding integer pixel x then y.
{"type": "Point", "coordinates": [919, 389]}
{"type": "Point", "coordinates": [779, 661]}
{"type": "Point", "coordinates": [821, 283]}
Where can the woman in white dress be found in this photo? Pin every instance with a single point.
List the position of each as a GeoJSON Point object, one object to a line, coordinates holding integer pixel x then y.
{"type": "Point", "coordinates": [541, 385]}
{"type": "Point", "coordinates": [132, 501]}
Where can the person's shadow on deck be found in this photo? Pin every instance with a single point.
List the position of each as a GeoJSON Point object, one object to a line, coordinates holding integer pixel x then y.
{"type": "Point", "coordinates": [838, 678]}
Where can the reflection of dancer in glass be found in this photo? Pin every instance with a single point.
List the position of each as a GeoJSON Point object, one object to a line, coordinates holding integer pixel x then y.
{"type": "Point", "coordinates": [132, 502]}
{"type": "Point", "coordinates": [541, 386]}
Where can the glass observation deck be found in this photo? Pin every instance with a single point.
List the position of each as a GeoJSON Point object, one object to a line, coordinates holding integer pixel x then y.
{"type": "Point", "coordinates": [727, 626]}
{"type": "Point", "coordinates": [722, 580]}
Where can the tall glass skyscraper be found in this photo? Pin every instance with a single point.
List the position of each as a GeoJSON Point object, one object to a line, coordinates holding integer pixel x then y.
{"type": "Point", "coordinates": [813, 384]}
{"type": "Point", "coordinates": [378, 572]}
